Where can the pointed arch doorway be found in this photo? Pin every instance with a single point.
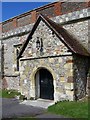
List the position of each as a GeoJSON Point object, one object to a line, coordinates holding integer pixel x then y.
{"type": "Point", "coordinates": [44, 87]}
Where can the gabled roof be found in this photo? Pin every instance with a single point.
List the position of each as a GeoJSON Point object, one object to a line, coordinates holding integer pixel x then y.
{"type": "Point", "coordinates": [74, 45]}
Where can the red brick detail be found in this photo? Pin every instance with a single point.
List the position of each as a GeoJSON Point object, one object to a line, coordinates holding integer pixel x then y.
{"type": "Point", "coordinates": [4, 83]}
{"type": "Point", "coordinates": [46, 6]}
{"type": "Point", "coordinates": [33, 14]}
{"type": "Point", "coordinates": [70, 79]}
{"type": "Point", "coordinates": [68, 7]}
{"type": "Point", "coordinates": [47, 11]}
{"type": "Point", "coordinates": [69, 61]}
{"type": "Point", "coordinates": [57, 8]}
{"type": "Point", "coordinates": [15, 22]}
{"type": "Point", "coordinates": [88, 4]}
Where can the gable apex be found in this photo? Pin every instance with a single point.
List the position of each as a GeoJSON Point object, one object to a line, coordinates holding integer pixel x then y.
{"type": "Point", "coordinates": [61, 33]}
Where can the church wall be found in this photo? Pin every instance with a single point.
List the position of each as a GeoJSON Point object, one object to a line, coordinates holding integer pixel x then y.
{"type": "Point", "coordinates": [68, 90]}
{"type": "Point", "coordinates": [11, 79]}
{"type": "Point", "coordinates": [76, 23]}
{"type": "Point", "coordinates": [11, 82]}
{"type": "Point", "coordinates": [0, 57]}
{"type": "Point", "coordinates": [81, 71]}
{"type": "Point", "coordinates": [79, 30]}
{"type": "Point", "coordinates": [52, 45]}
{"type": "Point", "coordinates": [75, 29]}
{"type": "Point", "coordinates": [50, 10]}
{"type": "Point", "coordinates": [88, 83]}
{"type": "Point", "coordinates": [55, 57]}
{"type": "Point", "coordinates": [9, 54]}
{"type": "Point", "coordinates": [59, 67]}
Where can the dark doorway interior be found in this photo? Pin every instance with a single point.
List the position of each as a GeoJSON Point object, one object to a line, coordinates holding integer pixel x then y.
{"type": "Point", "coordinates": [46, 84]}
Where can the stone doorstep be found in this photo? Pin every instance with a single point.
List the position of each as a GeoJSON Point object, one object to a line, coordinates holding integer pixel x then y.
{"type": "Point", "coordinates": [45, 100]}
{"type": "Point", "coordinates": [39, 103]}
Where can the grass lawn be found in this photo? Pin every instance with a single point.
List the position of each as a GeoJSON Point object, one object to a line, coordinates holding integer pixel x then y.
{"type": "Point", "coordinates": [9, 93]}
{"type": "Point", "coordinates": [70, 109]}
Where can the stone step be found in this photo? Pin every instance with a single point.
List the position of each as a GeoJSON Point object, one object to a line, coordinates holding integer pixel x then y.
{"type": "Point", "coordinates": [39, 103]}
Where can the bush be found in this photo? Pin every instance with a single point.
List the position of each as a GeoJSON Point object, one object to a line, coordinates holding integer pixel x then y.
{"type": "Point", "coordinates": [10, 93]}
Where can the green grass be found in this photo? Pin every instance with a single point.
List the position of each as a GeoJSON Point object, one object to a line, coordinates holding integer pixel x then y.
{"type": "Point", "coordinates": [9, 93]}
{"type": "Point", "coordinates": [70, 109]}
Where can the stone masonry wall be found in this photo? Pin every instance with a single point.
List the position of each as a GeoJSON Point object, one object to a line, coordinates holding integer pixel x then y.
{"type": "Point", "coordinates": [11, 79]}
{"type": "Point", "coordinates": [0, 58]}
{"type": "Point", "coordinates": [81, 68]}
{"type": "Point", "coordinates": [88, 82]}
{"type": "Point", "coordinates": [52, 46]}
{"type": "Point", "coordinates": [50, 10]}
{"type": "Point", "coordinates": [79, 30]}
{"type": "Point", "coordinates": [9, 54]}
{"type": "Point", "coordinates": [11, 82]}
{"type": "Point", "coordinates": [59, 67]}
{"type": "Point", "coordinates": [76, 23]}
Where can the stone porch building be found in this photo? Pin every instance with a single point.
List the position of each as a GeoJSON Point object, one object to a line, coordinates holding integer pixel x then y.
{"type": "Point", "coordinates": [46, 52]}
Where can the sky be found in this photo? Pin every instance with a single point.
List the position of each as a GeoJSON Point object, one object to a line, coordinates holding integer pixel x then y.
{"type": "Point", "coordinates": [11, 9]}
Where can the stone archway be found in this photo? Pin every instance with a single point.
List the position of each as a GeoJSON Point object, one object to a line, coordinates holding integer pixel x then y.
{"type": "Point", "coordinates": [44, 87]}
{"type": "Point", "coordinates": [35, 86]}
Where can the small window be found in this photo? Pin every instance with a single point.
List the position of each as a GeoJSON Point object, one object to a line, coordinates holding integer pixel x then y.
{"type": "Point", "coordinates": [17, 52]}
{"type": "Point", "coordinates": [16, 60]}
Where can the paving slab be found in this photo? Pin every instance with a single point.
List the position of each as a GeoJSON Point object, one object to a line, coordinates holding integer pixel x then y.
{"type": "Point", "coordinates": [39, 103]}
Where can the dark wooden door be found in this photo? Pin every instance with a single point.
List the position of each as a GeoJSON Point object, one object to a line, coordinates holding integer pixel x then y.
{"type": "Point", "coordinates": [46, 84]}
